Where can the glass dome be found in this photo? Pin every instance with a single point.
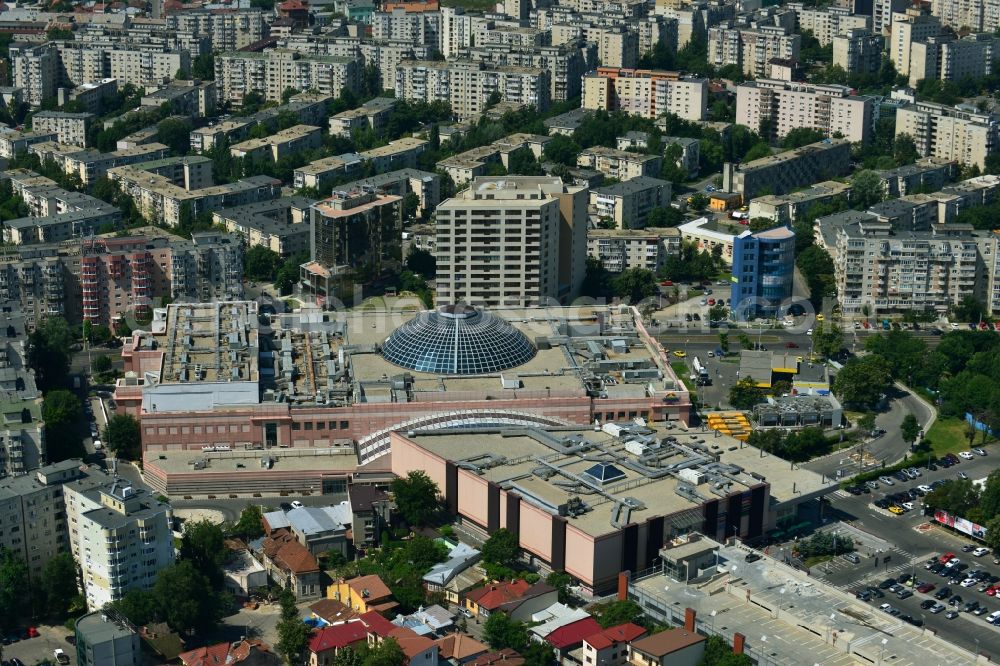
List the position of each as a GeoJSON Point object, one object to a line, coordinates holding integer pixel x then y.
{"type": "Point", "coordinates": [457, 340]}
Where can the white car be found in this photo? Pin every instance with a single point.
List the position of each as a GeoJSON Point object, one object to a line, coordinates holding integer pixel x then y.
{"type": "Point", "coordinates": [297, 504]}
{"type": "Point", "coordinates": [979, 452]}
{"type": "Point", "coordinates": [809, 332]}
{"type": "Point", "coordinates": [969, 582]}
{"type": "Point", "coordinates": [993, 616]}
{"type": "Point", "coordinates": [908, 506]}
{"type": "Point", "coordinates": [925, 488]}
{"type": "Point", "coordinates": [967, 455]}
{"type": "Point", "coordinates": [954, 326]}
{"type": "Point", "coordinates": [97, 445]}
{"type": "Point", "coordinates": [886, 480]}
{"type": "Point", "coordinates": [711, 354]}
{"type": "Point", "coordinates": [887, 608]}
{"type": "Point", "coordinates": [979, 552]}
{"type": "Point", "coordinates": [952, 563]}
{"type": "Point", "coordinates": [703, 302]}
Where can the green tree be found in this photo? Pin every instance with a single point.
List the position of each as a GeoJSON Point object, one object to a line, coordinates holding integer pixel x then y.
{"type": "Point", "coordinates": [614, 613]}
{"type": "Point", "coordinates": [101, 364]}
{"type": "Point", "coordinates": [719, 653]}
{"type": "Point", "coordinates": [863, 381]}
{"type": "Point", "coordinates": [139, 606]}
{"type": "Point", "coordinates": [416, 497]}
{"type": "Point", "coordinates": [293, 634]}
{"type": "Point", "coordinates": [827, 339]}
{"type": "Point", "coordinates": [698, 202]}
{"type": "Point", "coordinates": [635, 284]}
{"type": "Point", "coordinates": [203, 67]}
{"type": "Point", "coordinates": [664, 216]}
{"type": "Point", "coordinates": [522, 162]}
{"type": "Point", "coordinates": [910, 429]}
{"type": "Point", "coordinates": [186, 600]}
{"type": "Point", "coordinates": [745, 393]}
{"type": "Point", "coordinates": [501, 548]}
{"type": "Point", "coordinates": [904, 150]}
{"type": "Point", "coordinates": [801, 136]}
{"type": "Point", "coordinates": [261, 263]}
{"type": "Point", "coordinates": [562, 582]}
{"type": "Point", "coordinates": [904, 352]}
{"type": "Point", "coordinates": [866, 423]}
{"type": "Point", "coordinates": [123, 436]}
{"type": "Point", "coordinates": [411, 206]}
{"type": "Point", "coordinates": [421, 262]}
{"type": "Point", "coordinates": [62, 413]}
{"type": "Point", "coordinates": [14, 590]}
{"type": "Point", "coordinates": [175, 134]}
{"type": "Point", "coordinates": [757, 151]}
{"type": "Point", "coordinates": [866, 189]}
{"type": "Point", "coordinates": [500, 631]}
{"type": "Point", "coordinates": [956, 496]}
{"type": "Point", "coordinates": [203, 544]}
{"type": "Point", "coordinates": [250, 525]}
{"type": "Point", "coordinates": [386, 653]}
{"type": "Point", "coordinates": [758, 224]}
{"type": "Point", "coordinates": [58, 586]}
{"type": "Point", "coordinates": [993, 534]}
{"type": "Point", "coordinates": [724, 342]}
{"type": "Point", "coordinates": [48, 353]}
{"type": "Point", "coordinates": [538, 654]}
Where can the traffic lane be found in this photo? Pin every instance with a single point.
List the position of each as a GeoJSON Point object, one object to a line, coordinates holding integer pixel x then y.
{"type": "Point", "coordinates": [964, 630]}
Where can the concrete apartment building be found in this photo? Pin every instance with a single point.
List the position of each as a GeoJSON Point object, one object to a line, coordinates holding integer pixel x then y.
{"type": "Point", "coordinates": [891, 271]}
{"type": "Point", "coordinates": [372, 115]}
{"type": "Point", "coordinates": [787, 208]}
{"type": "Point", "coordinates": [208, 268]}
{"type": "Point", "coordinates": [752, 49]}
{"type": "Point", "coordinates": [976, 15]}
{"type": "Point", "coordinates": [120, 277]}
{"type": "Point", "coordinates": [22, 432]}
{"type": "Point", "coordinates": [472, 163]}
{"type": "Point", "coordinates": [763, 272]}
{"type": "Point", "coordinates": [31, 277]}
{"type": "Point", "coordinates": [949, 59]}
{"type": "Point", "coordinates": [120, 536]}
{"type": "Point", "coordinates": [621, 249]}
{"type": "Point", "coordinates": [194, 98]}
{"type": "Point", "coordinates": [35, 70]}
{"type": "Point", "coordinates": [104, 639]}
{"type": "Point", "coordinates": [425, 184]}
{"type": "Point", "coordinates": [280, 225]}
{"type": "Point", "coordinates": [789, 170]}
{"type": "Point", "coordinates": [827, 23]}
{"type": "Point", "coordinates": [467, 85]}
{"type": "Point", "coordinates": [92, 96]}
{"type": "Point", "coordinates": [908, 28]}
{"type": "Point", "coordinates": [519, 240]}
{"type": "Point", "coordinates": [56, 214]}
{"type": "Point", "coordinates": [228, 30]}
{"type": "Point", "coordinates": [34, 505]}
{"type": "Point", "coordinates": [645, 93]}
{"type": "Point", "coordinates": [927, 174]}
{"type": "Point", "coordinates": [830, 108]}
{"type": "Point", "coordinates": [69, 128]}
{"type": "Point", "coordinates": [960, 133]}
{"type": "Point", "coordinates": [89, 165]}
{"type": "Point", "coordinates": [628, 203]}
{"type": "Point", "coordinates": [160, 189]}
{"type": "Point", "coordinates": [566, 63]}
{"type": "Point", "coordinates": [272, 72]}
{"type": "Point", "coordinates": [858, 51]}
{"type": "Point", "coordinates": [141, 68]}
{"type": "Point", "coordinates": [351, 230]}
{"type": "Point", "coordinates": [322, 173]}
{"type": "Point", "coordinates": [279, 145]}
{"type": "Point", "coordinates": [13, 142]}
{"type": "Point", "coordinates": [399, 154]}
{"type": "Point", "coordinates": [309, 108]}
{"type": "Point", "coordinates": [619, 164]}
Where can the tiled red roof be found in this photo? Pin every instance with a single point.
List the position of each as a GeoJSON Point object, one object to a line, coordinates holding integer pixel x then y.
{"type": "Point", "coordinates": [411, 643]}
{"type": "Point", "coordinates": [377, 624]}
{"type": "Point", "coordinates": [206, 656]}
{"type": "Point", "coordinates": [338, 636]}
{"type": "Point", "coordinates": [620, 633]}
{"type": "Point", "coordinates": [459, 646]}
{"type": "Point", "coordinates": [572, 634]}
{"type": "Point", "coordinates": [494, 595]}
{"type": "Point", "coordinates": [289, 554]}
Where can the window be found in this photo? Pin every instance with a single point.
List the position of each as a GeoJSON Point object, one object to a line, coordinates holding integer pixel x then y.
{"type": "Point", "coordinates": [296, 426]}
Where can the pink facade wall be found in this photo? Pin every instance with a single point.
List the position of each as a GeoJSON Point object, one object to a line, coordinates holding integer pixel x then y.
{"type": "Point", "coordinates": [536, 531]}
{"type": "Point", "coordinates": [579, 554]}
{"type": "Point", "coordinates": [473, 497]}
{"type": "Point", "coordinates": [407, 456]}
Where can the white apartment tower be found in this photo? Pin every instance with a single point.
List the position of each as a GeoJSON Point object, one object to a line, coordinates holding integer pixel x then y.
{"type": "Point", "coordinates": [512, 241]}
{"type": "Point", "coordinates": [831, 109]}
{"type": "Point", "coordinates": [907, 28]}
{"type": "Point", "coordinates": [859, 51]}
{"type": "Point", "coordinates": [956, 133]}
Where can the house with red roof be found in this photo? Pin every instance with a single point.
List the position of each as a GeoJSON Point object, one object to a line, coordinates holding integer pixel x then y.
{"type": "Point", "coordinates": [458, 648]}
{"type": "Point", "coordinates": [328, 641]}
{"type": "Point", "coordinates": [418, 649]}
{"type": "Point", "coordinates": [570, 636]}
{"type": "Point", "coordinates": [291, 565]}
{"type": "Point", "coordinates": [363, 594]}
{"type": "Point", "coordinates": [518, 598]}
{"type": "Point", "coordinates": [609, 647]}
{"type": "Point", "coordinates": [243, 653]}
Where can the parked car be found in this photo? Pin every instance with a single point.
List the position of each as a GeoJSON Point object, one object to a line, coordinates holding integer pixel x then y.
{"type": "Point", "coordinates": [967, 455]}
{"type": "Point", "coordinates": [925, 588]}
{"type": "Point", "coordinates": [886, 480]}
{"type": "Point", "coordinates": [979, 552]}
{"type": "Point", "coordinates": [937, 608]}
{"type": "Point", "coordinates": [979, 452]}
{"type": "Point", "coordinates": [943, 593]}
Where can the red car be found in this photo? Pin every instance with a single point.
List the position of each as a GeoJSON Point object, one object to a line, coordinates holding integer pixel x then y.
{"type": "Point", "coordinates": [992, 590]}
{"type": "Point", "coordinates": [925, 588]}
{"type": "Point", "coordinates": [711, 301]}
{"type": "Point", "coordinates": [947, 557]}
{"type": "Point", "coordinates": [983, 326]}
{"type": "Point", "coordinates": [791, 345]}
{"type": "Point", "coordinates": [32, 632]}
{"type": "Point", "coordinates": [866, 324]}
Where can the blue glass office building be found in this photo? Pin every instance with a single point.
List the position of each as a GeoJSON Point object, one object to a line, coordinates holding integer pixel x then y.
{"type": "Point", "coordinates": [763, 270]}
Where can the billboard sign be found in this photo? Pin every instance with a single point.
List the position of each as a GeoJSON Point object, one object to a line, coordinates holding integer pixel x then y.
{"type": "Point", "coordinates": [960, 524]}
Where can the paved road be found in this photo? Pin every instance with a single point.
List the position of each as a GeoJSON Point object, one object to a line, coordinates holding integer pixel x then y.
{"type": "Point", "coordinates": [911, 541]}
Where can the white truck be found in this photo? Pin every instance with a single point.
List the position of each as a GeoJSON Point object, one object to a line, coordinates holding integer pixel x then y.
{"type": "Point", "coordinates": [61, 657]}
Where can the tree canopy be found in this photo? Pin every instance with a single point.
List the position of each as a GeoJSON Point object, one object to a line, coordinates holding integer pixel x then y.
{"type": "Point", "coordinates": [863, 381]}
{"type": "Point", "coordinates": [48, 353]}
{"type": "Point", "coordinates": [62, 414]}
{"type": "Point", "coordinates": [123, 436]}
{"type": "Point", "coordinates": [416, 497]}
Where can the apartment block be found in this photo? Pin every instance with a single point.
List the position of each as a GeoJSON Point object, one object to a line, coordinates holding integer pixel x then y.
{"type": "Point", "coordinates": [13, 142]}
{"type": "Point", "coordinates": [949, 59]}
{"type": "Point", "coordinates": [826, 23]}
{"type": "Point", "coordinates": [226, 29]}
{"type": "Point", "coordinates": [207, 269]}
{"type": "Point", "coordinates": [858, 51]}
{"type": "Point", "coordinates": [69, 128]}
{"type": "Point", "coordinates": [566, 63]}
{"type": "Point", "coordinates": [975, 15]}
{"type": "Point", "coordinates": [752, 49]}
{"type": "Point", "coordinates": [960, 133]}
{"type": "Point", "coordinates": [142, 68]}
{"type": "Point", "coordinates": [399, 154]}
{"type": "Point", "coordinates": [621, 249]}
{"type": "Point", "coordinates": [883, 12]}
{"type": "Point", "coordinates": [280, 145]}
{"type": "Point", "coordinates": [89, 165]}
{"type": "Point", "coordinates": [831, 109]}
{"type": "Point", "coordinates": [789, 170]}
{"type": "Point", "coordinates": [629, 202]}
{"type": "Point", "coordinates": [898, 271]}
{"type": "Point", "coordinates": [120, 277]}
{"type": "Point", "coordinates": [194, 98]}
{"type": "Point", "coordinates": [35, 70]}
{"type": "Point", "coordinates": [908, 28]}
{"type": "Point", "coordinates": [645, 93]}
{"type": "Point", "coordinates": [34, 506]}
{"type": "Point", "coordinates": [616, 47]}
{"type": "Point", "coordinates": [425, 184]}
{"type": "Point", "coordinates": [281, 225]}
{"type": "Point", "coordinates": [92, 96]}
{"type": "Point", "coordinates": [309, 108]}
{"type": "Point", "coordinates": [787, 208]}
{"type": "Point", "coordinates": [56, 214]}
{"type": "Point", "coordinates": [619, 164]}
{"type": "Point", "coordinates": [372, 115]}
{"type": "Point", "coordinates": [467, 86]}
{"type": "Point", "coordinates": [163, 189]}
{"type": "Point", "coordinates": [122, 539]}
{"type": "Point", "coordinates": [405, 26]}
{"type": "Point", "coordinates": [516, 240]}
{"type": "Point", "coordinates": [474, 162]}
{"type": "Point", "coordinates": [763, 272]}
{"type": "Point", "coordinates": [926, 174]}
{"type": "Point", "coordinates": [105, 637]}
{"type": "Point", "coordinates": [272, 72]}
{"type": "Point", "coordinates": [32, 278]}
{"type": "Point", "coordinates": [322, 173]}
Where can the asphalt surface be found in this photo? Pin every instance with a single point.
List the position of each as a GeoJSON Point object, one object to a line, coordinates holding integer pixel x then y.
{"type": "Point", "coordinates": [909, 540]}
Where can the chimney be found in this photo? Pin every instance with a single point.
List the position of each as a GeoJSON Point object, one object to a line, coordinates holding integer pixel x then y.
{"type": "Point", "coordinates": [623, 585]}
{"type": "Point", "coordinates": [738, 641]}
{"type": "Point", "coordinates": [689, 617]}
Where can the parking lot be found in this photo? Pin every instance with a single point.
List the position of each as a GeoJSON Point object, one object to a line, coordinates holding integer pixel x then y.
{"type": "Point", "coordinates": [40, 648]}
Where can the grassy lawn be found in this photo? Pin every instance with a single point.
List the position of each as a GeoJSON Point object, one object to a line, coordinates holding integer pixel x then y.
{"type": "Point", "coordinates": [683, 372]}
{"type": "Point", "coordinates": [948, 436]}
{"type": "Point", "coordinates": [817, 559]}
